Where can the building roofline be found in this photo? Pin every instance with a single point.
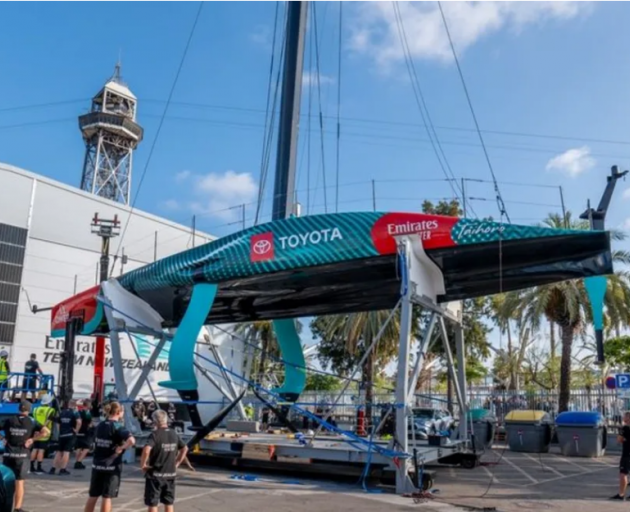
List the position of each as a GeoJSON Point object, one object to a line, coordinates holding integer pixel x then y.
{"type": "Point", "coordinates": [125, 208]}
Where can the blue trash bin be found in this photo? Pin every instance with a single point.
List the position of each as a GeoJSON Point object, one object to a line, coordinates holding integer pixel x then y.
{"type": "Point", "coordinates": [581, 434]}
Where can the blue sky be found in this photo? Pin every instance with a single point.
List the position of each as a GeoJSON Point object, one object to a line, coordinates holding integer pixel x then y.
{"type": "Point", "coordinates": [533, 68]}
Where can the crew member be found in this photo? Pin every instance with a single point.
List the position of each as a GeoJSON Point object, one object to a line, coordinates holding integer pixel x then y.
{"type": "Point", "coordinates": [19, 434]}
{"type": "Point", "coordinates": [69, 425]}
{"type": "Point", "coordinates": [624, 464]}
{"type": "Point", "coordinates": [85, 435]}
{"type": "Point", "coordinates": [29, 383]}
{"type": "Point", "coordinates": [4, 372]}
{"type": "Point", "coordinates": [44, 415]}
{"type": "Point", "coordinates": [111, 440]}
{"type": "Point", "coordinates": [161, 457]}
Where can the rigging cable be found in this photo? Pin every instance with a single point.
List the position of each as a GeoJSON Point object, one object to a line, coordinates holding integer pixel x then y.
{"type": "Point", "coordinates": [267, 131]}
{"type": "Point", "coordinates": [159, 128]}
{"type": "Point", "coordinates": [321, 116]}
{"type": "Point", "coordinates": [338, 107]}
{"type": "Point", "coordinates": [500, 202]}
{"type": "Point", "coordinates": [424, 111]}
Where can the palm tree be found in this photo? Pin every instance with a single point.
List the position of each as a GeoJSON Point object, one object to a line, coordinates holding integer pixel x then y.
{"type": "Point", "coordinates": [345, 339]}
{"type": "Point", "coordinates": [566, 304]}
{"type": "Point", "coordinates": [260, 332]}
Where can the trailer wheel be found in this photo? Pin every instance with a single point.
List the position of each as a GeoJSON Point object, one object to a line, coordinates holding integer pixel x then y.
{"type": "Point", "coordinates": [469, 462]}
{"type": "Point", "coordinates": [427, 481]}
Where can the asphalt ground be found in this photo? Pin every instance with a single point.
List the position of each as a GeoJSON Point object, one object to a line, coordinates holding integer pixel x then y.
{"type": "Point", "coordinates": [505, 482]}
{"type": "Point", "coordinates": [510, 482]}
{"type": "Point", "coordinates": [216, 489]}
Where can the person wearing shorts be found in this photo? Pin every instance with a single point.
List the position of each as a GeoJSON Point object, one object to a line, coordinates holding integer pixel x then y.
{"type": "Point", "coordinates": [110, 442]}
{"type": "Point", "coordinates": [161, 457]}
{"type": "Point", "coordinates": [85, 436]}
{"type": "Point", "coordinates": [19, 434]}
{"type": "Point", "coordinates": [624, 463]}
{"type": "Point", "coordinates": [45, 414]}
{"type": "Point", "coordinates": [69, 424]}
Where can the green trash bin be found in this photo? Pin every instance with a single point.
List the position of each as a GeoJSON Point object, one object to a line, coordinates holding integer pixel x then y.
{"type": "Point", "coordinates": [581, 434]}
{"type": "Point", "coordinates": [484, 427]}
{"type": "Point", "coordinates": [528, 431]}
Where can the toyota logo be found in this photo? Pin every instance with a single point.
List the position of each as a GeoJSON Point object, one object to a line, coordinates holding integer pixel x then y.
{"type": "Point", "coordinates": [262, 247]}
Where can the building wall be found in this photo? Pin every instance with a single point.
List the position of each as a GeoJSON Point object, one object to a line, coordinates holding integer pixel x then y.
{"type": "Point", "coordinates": [61, 257]}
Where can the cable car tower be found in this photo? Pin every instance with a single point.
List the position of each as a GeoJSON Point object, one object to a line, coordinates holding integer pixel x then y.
{"type": "Point", "coordinates": [111, 134]}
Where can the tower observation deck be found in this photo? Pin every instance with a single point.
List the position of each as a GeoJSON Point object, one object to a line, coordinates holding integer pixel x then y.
{"type": "Point", "coordinates": [111, 134]}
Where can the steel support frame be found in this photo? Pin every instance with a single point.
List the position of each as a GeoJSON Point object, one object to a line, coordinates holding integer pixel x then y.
{"type": "Point", "coordinates": [405, 385]}
{"type": "Point", "coordinates": [121, 385]}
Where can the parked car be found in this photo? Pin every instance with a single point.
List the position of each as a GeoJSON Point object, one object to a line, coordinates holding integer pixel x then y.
{"type": "Point", "coordinates": [428, 421]}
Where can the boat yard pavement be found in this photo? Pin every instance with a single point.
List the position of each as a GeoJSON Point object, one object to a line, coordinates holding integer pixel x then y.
{"type": "Point", "coordinates": [215, 489]}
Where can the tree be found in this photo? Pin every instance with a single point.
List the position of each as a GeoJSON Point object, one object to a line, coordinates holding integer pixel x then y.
{"type": "Point", "coordinates": [320, 382]}
{"type": "Point", "coordinates": [566, 304]}
{"type": "Point", "coordinates": [506, 318]}
{"type": "Point", "coordinates": [345, 338]}
{"type": "Point", "coordinates": [267, 358]}
{"type": "Point", "coordinates": [451, 208]}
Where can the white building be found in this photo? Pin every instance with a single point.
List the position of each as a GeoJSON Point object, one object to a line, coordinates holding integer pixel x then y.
{"type": "Point", "coordinates": [47, 253]}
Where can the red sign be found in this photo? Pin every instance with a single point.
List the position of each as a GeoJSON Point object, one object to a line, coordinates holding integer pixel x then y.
{"type": "Point", "coordinates": [261, 247]}
{"type": "Point", "coordinates": [433, 230]}
{"type": "Point", "coordinates": [85, 301]}
{"type": "Point", "coordinates": [575, 438]}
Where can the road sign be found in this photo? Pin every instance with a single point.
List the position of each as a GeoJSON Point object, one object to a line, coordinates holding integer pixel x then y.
{"type": "Point", "coordinates": [622, 380]}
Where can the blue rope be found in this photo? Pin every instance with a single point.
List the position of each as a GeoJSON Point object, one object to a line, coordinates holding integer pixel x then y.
{"type": "Point", "coordinates": [354, 439]}
{"type": "Point", "coordinates": [366, 470]}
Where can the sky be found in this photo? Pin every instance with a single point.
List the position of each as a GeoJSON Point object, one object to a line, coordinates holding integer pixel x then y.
{"type": "Point", "coordinates": [548, 83]}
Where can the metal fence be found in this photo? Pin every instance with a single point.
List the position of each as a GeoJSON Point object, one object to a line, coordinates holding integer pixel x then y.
{"type": "Point", "coordinates": [609, 403]}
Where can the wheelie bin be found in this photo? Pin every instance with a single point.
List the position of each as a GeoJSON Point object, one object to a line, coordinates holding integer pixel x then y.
{"type": "Point", "coordinates": [528, 431]}
{"type": "Point", "coordinates": [484, 427]}
{"type": "Point", "coordinates": [581, 434]}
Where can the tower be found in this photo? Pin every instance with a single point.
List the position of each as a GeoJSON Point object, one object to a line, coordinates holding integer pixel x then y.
{"type": "Point", "coordinates": [111, 134]}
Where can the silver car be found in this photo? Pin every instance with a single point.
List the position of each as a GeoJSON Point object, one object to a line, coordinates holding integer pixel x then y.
{"type": "Point", "coordinates": [427, 421]}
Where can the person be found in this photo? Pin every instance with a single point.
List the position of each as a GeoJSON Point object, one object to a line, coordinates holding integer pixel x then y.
{"type": "Point", "coordinates": [161, 457]}
{"type": "Point", "coordinates": [5, 369]}
{"type": "Point", "coordinates": [110, 442]}
{"type": "Point", "coordinates": [69, 424]}
{"type": "Point", "coordinates": [43, 415]}
{"type": "Point", "coordinates": [29, 383]}
{"type": "Point", "coordinates": [624, 463]}
{"type": "Point", "coordinates": [19, 434]}
{"type": "Point", "coordinates": [85, 435]}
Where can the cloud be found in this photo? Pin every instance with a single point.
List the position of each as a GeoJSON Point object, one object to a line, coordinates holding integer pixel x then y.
{"type": "Point", "coordinates": [311, 79]}
{"type": "Point", "coordinates": [626, 194]}
{"type": "Point", "coordinates": [182, 176]}
{"type": "Point", "coordinates": [572, 162]}
{"type": "Point", "coordinates": [261, 36]}
{"type": "Point", "coordinates": [171, 204]}
{"type": "Point", "coordinates": [222, 194]}
{"type": "Point", "coordinates": [375, 32]}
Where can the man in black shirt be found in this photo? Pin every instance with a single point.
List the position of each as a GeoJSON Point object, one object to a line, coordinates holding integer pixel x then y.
{"type": "Point", "coordinates": [69, 424]}
{"type": "Point", "coordinates": [161, 457]}
{"type": "Point", "coordinates": [29, 383]}
{"type": "Point", "coordinates": [111, 440]}
{"type": "Point", "coordinates": [19, 434]}
{"type": "Point", "coordinates": [85, 435]}
{"type": "Point", "coordinates": [624, 464]}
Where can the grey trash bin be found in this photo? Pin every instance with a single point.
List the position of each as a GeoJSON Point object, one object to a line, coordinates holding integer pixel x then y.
{"type": "Point", "coordinates": [581, 434]}
{"type": "Point", "coordinates": [528, 431]}
{"type": "Point", "coordinates": [484, 427]}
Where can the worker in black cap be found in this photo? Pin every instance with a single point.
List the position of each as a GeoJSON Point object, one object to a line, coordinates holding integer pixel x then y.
{"type": "Point", "coordinates": [20, 432]}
